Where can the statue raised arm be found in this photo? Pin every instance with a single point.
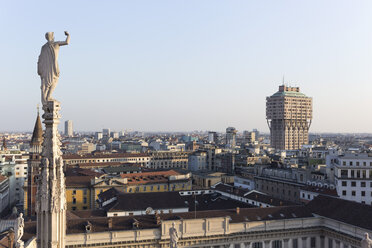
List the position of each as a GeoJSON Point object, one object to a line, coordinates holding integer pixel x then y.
{"type": "Point", "coordinates": [47, 65]}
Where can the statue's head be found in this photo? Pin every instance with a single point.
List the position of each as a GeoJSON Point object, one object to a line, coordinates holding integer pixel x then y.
{"type": "Point", "coordinates": [49, 36]}
{"type": "Point", "coordinates": [366, 236]}
{"type": "Point", "coordinates": [173, 224]}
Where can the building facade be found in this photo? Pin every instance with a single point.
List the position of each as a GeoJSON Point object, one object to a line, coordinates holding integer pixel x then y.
{"type": "Point", "coordinates": [168, 160]}
{"type": "Point", "coordinates": [353, 177]}
{"type": "Point", "coordinates": [289, 115]}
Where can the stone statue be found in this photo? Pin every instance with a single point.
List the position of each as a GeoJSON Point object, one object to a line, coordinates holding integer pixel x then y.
{"type": "Point", "coordinates": [20, 225]}
{"type": "Point", "coordinates": [366, 241]}
{"type": "Point", "coordinates": [47, 66]}
{"type": "Point", "coordinates": [173, 236]}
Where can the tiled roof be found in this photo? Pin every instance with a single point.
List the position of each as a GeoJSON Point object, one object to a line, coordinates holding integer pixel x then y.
{"type": "Point", "coordinates": [349, 212]}
{"type": "Point", "coordinates": [78, 181]}
{"type": "Point", "coordinates": [252, 195]}
{"type": "Point", "coordinates": [141, 201]}
{"type": "Point", "coordinates": [320, 190]}
{"type": "Point", "coordinates": [2, 178]}
{"type": "Point", "coordinates": [149, 177]}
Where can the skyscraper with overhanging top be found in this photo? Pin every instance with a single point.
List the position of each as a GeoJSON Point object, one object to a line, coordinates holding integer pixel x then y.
{"type": "Point", "coordinates": [289, 113]}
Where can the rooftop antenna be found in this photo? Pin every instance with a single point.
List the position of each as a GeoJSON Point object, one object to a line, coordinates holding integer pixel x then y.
{"type": "Point", "coordinates": [283, 80]}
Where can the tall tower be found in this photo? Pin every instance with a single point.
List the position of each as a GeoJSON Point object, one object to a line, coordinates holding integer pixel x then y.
{"type": "Point", "coordinates": [231, 137]}
{"type": "Point", "coordinates": [68, 128]}
{"type": "Point", "coordinates": [51, 191]}
{"type": "Point", "coordinates": [289, 114]}
{"type": "Point", "coordinates": [33, 166]}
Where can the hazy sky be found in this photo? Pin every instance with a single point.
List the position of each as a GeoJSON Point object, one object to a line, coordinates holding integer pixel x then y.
{"type": "Point", "coordinates": [189, 65]}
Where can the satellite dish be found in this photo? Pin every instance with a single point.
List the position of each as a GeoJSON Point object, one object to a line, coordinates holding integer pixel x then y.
{"type": "Point", "coordinates": [149, 210]}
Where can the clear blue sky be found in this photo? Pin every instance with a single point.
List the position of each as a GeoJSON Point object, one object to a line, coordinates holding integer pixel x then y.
{"type": "Point", "coordinates": [189, 65]}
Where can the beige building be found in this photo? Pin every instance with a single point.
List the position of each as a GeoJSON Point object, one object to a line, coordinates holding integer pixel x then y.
{"type": "Point", "coordinates": [289, 114]}
{"type": "Point", "coordinates": [169, 160]}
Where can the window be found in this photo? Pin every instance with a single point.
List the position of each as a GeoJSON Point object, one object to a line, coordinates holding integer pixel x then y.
{"type": "Point", "coordinates": [344, 183]}
{"type": "Point", "coordinates": [85, 200]}
{"type": "Point", "coordinates": [73, 208]}
{"type": "Point", "coordinates": [294, 243]}
{"type": "Point", "coordinates": [312, 242]}
{"type": "Point", "coordinates": [363, 193]}
{"type": "Point", "coordinates": [74, 192]}
{"type": "Point", "coordinates": [330, 243]}
{"type": "Point", "coordinates": [353, 184]}
{"type": "Point", "coordinates": [344, 192]}
{"type": "Point", "coordinates": [357, 163]}
{"type": "Point", "coordinates": [276, 244]}
{"type": "Point", "coordinates": [353, 193]}
{"type": "Point", "coordinates": [363, 184]}
{"type": "Point", "coordinates": [74, 200]}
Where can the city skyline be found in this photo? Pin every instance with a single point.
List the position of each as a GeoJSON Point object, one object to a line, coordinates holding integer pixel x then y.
{"type": "Point", "coordinates": [143, 67]}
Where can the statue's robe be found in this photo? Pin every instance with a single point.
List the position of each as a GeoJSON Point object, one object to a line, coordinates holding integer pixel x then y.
{"type": "Point", "coordinates": [47, 66]}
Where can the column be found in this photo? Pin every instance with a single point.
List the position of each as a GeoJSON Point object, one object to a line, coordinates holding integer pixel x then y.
{"type": "Point", "coordinates": [326, 241]}
{"type": "Point", "coordinates": [303, 241]}
{"type": "Point", "coordinates": [336, 243]}
{"type": "Point", "coordinates": [318, 242]}
{"type": "Point", "coordinates": [267, 244]}
{"type": "Point", "coordinates": [285, 243]}
{"type": "Point", "coordinates": [246, 245]}
{"type": "Point", "coordinates": [308, 242]}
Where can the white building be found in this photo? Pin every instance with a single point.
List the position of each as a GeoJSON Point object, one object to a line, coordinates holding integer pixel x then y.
{"type": "Point", "coordinates": [98, 135]}
{"type": "Point", "coordinates": [14, 165]}
{"type": "Point", "coordinates": [4, 193]}
{"type": "Point", "coordinates": [68, 128]}
{"type": "Point", "coordinates": [353, 177]}
{"type": "Point", "coordinates": [244, 182]}
{"type": "Point", "coordinates": [198, 161]}
{"type": "Point", "coordinates": [106, 132]}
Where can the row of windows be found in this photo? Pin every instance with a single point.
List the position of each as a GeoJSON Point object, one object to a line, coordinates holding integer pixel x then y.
{"type": "Point", "coordinates": [144, 188]}
{"type": "Point", "coordinates": [357, 163]}
{"type": "Point", "coordinates": [356, 173]}
{"type": "Point", "coordinates": [85, 192]}
{"type": "Point", "coordinates": [353, 193]}
{"type": "Point", "coordinates": [354, 184]}
{"type": "Point", "coordinates": [85, 200]}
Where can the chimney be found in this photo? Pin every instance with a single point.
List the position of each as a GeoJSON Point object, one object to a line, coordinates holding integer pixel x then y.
{"type": "Point", "coordinates": [110, 223]}
{"type": "Point", "coordinates": [237, 210]}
